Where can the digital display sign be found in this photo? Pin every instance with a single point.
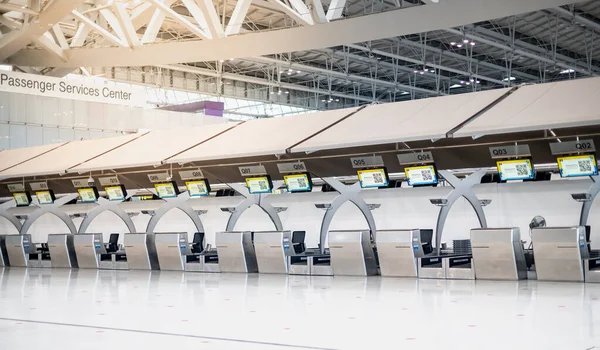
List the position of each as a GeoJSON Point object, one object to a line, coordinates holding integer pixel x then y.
{"type": "Point", "coordinates": [45, 197]}
{"type": "Point", "coordinates": [373, 178]}
{"type": "Point", "coordinates": [298, 182]}
{"type": "Point", "coordinates": [518, 169]}
{"type": "Point", "coordinates": [421, 175]}
{"type": "Point", "coordinates": [23, 199]}
{"type": "Point", "coordinates": [88, 194]}
{"type": "Point", "coordinates": [115, 193]}
{"type": "Point", "coordinates": [167, 189]}
{"type": "Point", "coordinates": [584, 165]}
{"type": "Point", "coordinates": [198, 188]}
{"type": "Point", "coordinates": [259, 184]}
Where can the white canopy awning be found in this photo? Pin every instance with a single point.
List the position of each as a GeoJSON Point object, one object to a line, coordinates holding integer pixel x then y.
{"type": "Point", "coordinates": [153, 148]}
{"type": "Point", "coordinates": [71, 154]}
{"type": "Point", "coordinates": [538, 107]}
{"type": "Point", "coordinates": [12, 157]}
{"type": "Point", "coordinates": [422, 119]}
{"type": "Point", "coordinates": [261, 137]}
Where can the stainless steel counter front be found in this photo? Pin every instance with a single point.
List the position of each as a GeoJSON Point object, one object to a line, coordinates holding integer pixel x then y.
{"type": "Point", "coordinates": [352, 253]}
{"type": "Point", "coordinates": [141, 251]}
{"type": "Point", "coordinates": [62, 251]}
{"type": "Point", "coordinates": [172, 249]}
{"type": "Point", "coordinates": [18, 248]}
{"type": "Point", "coordinates": [272, 249]}
{"type": "Point", "coordinates": [559, 252]}
{"type": "Point", "coordinates": [398, 251]}
{"type": "Point", "coordinates": [3, 253]}
{"type": "Point", "coordinates": [236, 252]}
{"type": "Point", "coordinates": [498, 254]}
{"type": "Point", "coordinates": [88, 247]}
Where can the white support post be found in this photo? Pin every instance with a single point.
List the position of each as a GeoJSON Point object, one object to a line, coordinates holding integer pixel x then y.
{"type": "Point", "coordinates": [198, 15]}
{"type": "Point", "coordinates": [17, 39]}
{"type": "Point", "coordinates": [182, 20]}
{"type": "Point", "coordinates": [83, 30]}
{"type": "Point", "coordinates": [105, 33]}
{"type": "Point", "coordinates": [317, 11]}
{"type": "Point", "coordinates": [48, 43]}
{"type": "Point", "coordinates": [214, 22]}
{"type": "Point", "coordinates": [153, 27]}
{"type": "Point", "coordinates": [126, 24]}
{"type": "Point", "coordinates": [299, 13]}
{"type": "Point", "coordinates": [237, 18]}
{"type": "Point", "coordinates": [60, 36]}
{"type": "Point", "coordinates": [336, 8]}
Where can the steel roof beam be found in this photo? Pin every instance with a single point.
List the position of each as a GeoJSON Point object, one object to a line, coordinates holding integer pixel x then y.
{"type": "Point", "coordinates": [341, 75]}
{"type": "Point", "coordinates": [260, 81]}
{"type": "Point", "coordinates": [444, 14]}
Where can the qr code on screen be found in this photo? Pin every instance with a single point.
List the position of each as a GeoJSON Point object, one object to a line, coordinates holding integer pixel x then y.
{"type": "Point", "coordinates": [426, 175]}
{"type": "Point", "coordinates": [585, 166]}
{"type": "Point", "coordinates": [522, 170]}
{"type": "Point", "coordinates": [263, 185]}
{"type": "Point", "coordinates": [377, 178]}
{"type": "Point", "coordinates": [301, 183]}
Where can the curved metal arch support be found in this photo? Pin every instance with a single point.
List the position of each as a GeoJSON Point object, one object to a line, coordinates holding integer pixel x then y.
{"type": "Point", "coordinates": [53, 209]}
{"type": "Point", "coordinates": [250, 200]}
{"type": "Point", "coordinates": [11, 218]}
{"type": "Point", "coordinates": [587, 204]}
{"type": "Point", "coordinates": [106, 205]}
{"type": "Point", "coordinates": [461, 188]}
{"type": "Point", "coordinates": [347, 193]}
{"type": "Point", "coordinates": [180, 202]}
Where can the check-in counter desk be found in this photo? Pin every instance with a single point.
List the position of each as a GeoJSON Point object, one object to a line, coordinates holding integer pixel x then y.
{"type": "Point", "coordinates": [21, 252]}
{"type": "Point", "coordinates": [432, 267]}
{"type": "Point", "coordinates": [141, 251]}
{"type": "Point", "coordinates": [398, 251]}
{"type": "Point", "coordinates": [88, 248]}
{"type": "Point", "coordinates": [172, 249]}
{"type": "Point", "coordinates": [498, 254]}
{"type": "Point", "coordinates": [272, 250]}
{"type": "Point", "coordinates": [452, 266]}
{"type": "Point", "coordinates": [352, 253]}
{"type": "Point", "coordinates": [207, 261]}
{"type": "Point", "coordinates": [62, 251]}
{"type": "Point", "coordinates": [3, 254]}
{"type": "Point", "coordinates": [236, 252]}
{"type": "Point", "coordinates": [559, 253]}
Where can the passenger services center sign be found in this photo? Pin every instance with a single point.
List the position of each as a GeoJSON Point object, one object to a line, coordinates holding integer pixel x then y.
{"type": "Point", "coordinates": [82, 90]}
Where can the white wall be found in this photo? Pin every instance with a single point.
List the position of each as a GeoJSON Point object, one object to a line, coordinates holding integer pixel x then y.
{"type": "Point", "coordinates": [513, 204]}
{"type": "Point", "coordinates": [30, 120]}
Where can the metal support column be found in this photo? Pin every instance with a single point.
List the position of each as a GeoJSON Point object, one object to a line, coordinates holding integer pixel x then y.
{"type": "Point", "coordinates": [250, 200]}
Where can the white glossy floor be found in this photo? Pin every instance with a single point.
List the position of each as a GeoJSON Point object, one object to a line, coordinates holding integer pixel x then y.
{"type": "Point", "coordinates": [85, 309]}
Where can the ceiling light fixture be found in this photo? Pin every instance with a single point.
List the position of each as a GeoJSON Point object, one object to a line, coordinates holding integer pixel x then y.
{"type": "Point", "coordinates": [567, 71]}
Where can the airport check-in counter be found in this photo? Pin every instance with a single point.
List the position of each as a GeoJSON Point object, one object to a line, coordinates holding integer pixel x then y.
{"type": "Point", "coordinates": [3, 254]}
{"type": "Point", "coordinates": [398, 251]}
{"type": "Point", "coordinates": [498, 254]}
{"type": "Point", "coordinates": [62, 251]}
{"type": "Point", "coordinates": [172, 249]}
{"type": "Point", "coordinates": [272, 251]}
{"type": "Point", "coordinates": [236, 252]}
{"type": "Point", "coordinates": [459, 267]}
{"type": "Point", "coordinates": [352, 253]}
{"type": "Point", "coordinates": [141, 251]}
{"type": "Point", "coordinates": [201, 259]}
{"type": "Point", "coordinates": [88, 249]}
{"type": "Point", "coordinates": [20, 251]}
{"type": "Point", "coordinates": [432, 267]}
{"type": "Point", "coordinates": [559, 253]}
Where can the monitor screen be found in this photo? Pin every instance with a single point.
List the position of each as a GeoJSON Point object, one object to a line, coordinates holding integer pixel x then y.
{"type": "Point", "coordinates": [115, 193]}
{"type": "Point", "coordinates": [298, 182]}
{"type": "Point", "coordinates": [88, 194]}
{"type": "Point", "coordinates": [23, 199]}
{"type": "Point", "coordinates": [421, 175]}
{"type": "Point", "coordinates": [372, 178]}
{"type": "Point", "coordinates": [167, 189]}
{"type": "Point", "coordinates": [45, 197]}
{"type": "Point", "coordinates": [584, 165]}
{"type": "Point", "coordinates": [259, 184]}
{"type": "Point", "coordinates": [198, 188]}
{"type": "Point", "coordinates": [518, 169]}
